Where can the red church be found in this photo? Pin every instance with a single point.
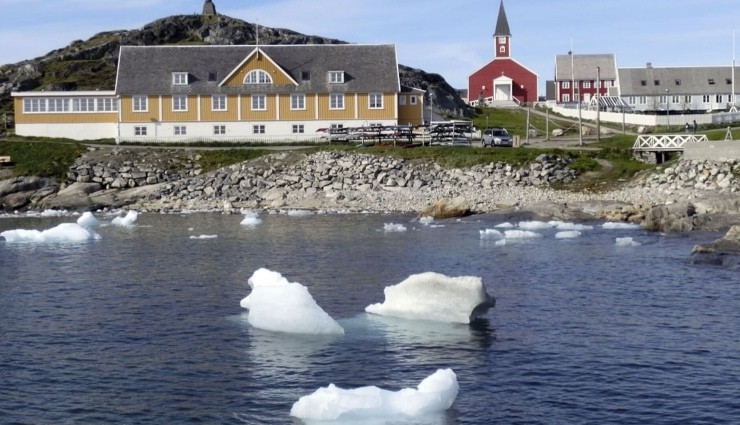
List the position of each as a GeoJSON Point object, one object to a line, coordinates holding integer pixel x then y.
{"type": "Point", "coordinates": [503, 81]}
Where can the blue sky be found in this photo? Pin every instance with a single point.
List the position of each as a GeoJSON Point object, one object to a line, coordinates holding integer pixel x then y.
{"type": "Point", "coordinates": [451, 38]}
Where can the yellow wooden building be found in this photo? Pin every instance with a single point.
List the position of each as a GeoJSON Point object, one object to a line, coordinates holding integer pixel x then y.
{"type": "Point", "coordinates": [277, 93]}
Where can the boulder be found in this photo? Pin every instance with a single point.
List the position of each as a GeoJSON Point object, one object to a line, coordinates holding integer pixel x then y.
{"type": "Point", "coordinates": [447, 208]}
{"type": "Point", "coordinates": [722, 252]}
{"type": "Point", "coordinates": [74, 196]}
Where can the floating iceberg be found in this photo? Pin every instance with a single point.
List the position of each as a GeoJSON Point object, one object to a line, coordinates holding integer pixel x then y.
{"type": "Point", "coordinates": [521, 234]}
{"type": "Point", "coordinates": [281, 306]}
{"type": "Point", "coordinates": [505, 225]}
{"type": "Point", "coordinates": [627, 242]}
{"type": "Point", "coordinates": [435, 394]}
{"type": "Point", "coordinates": [393, 227]}
{"type": "Point", "coordinates": [534, 225]}
{"type": "Point", "coordinates": [562, 225]}
{"type": "Point", "coordinates": [426, 220]}
{"type": "Point", "coordinates": [491, 233]}
{"type": "Point", "coordinates": [87, 219]}
{"type": "Point", "coordinates": [65, 232]}
{"type": "Point", "coordinates": [611, 225]}
{"type": "Point", "coordinates": [204, 237]}
{"type": "Point", "coordinates": [126, 221]}
{"type": "Point", "coordinates": [251, 219]}
{"type": "Point", "coordinates": [434, 296]}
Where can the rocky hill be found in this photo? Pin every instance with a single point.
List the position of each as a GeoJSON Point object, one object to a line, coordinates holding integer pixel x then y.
{"type": "Point", "coordinates": [91, 64]}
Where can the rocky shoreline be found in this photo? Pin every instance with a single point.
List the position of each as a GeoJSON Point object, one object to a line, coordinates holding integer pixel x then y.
{"type": "Point", "coordinates": [689, 195]}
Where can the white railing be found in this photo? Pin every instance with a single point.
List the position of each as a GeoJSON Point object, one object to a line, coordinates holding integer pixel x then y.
{"type": "Point", "coordinates": [666, 142]}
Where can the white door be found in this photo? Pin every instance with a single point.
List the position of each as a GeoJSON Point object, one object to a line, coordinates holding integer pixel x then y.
{"type": "Point", "coordinates": [503, 92]}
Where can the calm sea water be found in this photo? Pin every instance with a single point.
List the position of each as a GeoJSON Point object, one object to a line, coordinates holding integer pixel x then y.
{"type": "Point", "coordinates": [144, 326]}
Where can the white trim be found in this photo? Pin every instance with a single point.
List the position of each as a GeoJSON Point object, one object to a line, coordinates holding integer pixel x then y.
{"type": "Point", "coordinates": [249, 56]}
{"type": "Point", "coordinates": [81, 93]}
{"type": "Point", "coordinates": [180, 96]}
{"type": "Point", "coordinates": [226, 103]}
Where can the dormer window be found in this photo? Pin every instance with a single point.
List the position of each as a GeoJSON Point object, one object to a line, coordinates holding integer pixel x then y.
{"type": "Point", "coordinates": [258, 76]}
{"type": "Point", "coordinates": [643, 83]}
{"type": "Point", "coordinates": [212, 76]}
{"type": "Point", "coordinates": [306, 76]}
{"type": "Point", "coordinates": [336, 77]}
{"type": "Point", "coordinates": [711, 81]}
{"type": "Point", "coordinates": [180, 78]}
{"type": "Point", "coordinates": [678, 82]}
{"type": "Point", "coordinates": [656, 82]}
{"type": "Point", "coordinates": [728, 80]}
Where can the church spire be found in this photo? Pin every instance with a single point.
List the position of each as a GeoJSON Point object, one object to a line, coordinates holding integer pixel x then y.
{"type": "Point", "coordinates": [502, 35]}
{"type": "Point", "coordinates": [502, 24]}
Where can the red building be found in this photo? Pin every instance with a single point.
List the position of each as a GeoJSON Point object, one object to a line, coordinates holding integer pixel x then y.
{"type": "Point", "coordinates": [503, 81]}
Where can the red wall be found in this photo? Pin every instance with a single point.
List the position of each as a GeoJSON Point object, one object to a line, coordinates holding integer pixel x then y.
{"type": "Point", "coordinates": [604, 91]}
{"type": "Point", "coordinates": [511, 69]}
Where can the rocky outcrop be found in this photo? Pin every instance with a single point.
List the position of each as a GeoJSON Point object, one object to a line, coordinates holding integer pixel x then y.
{"type": "Point", "coordinates": [699, 175]}
{"type": "Point", "coordinates": [447, 208]}
{"type": "Point", "coordinates": [722, 252]}
{"type": "Point", "coordinates": [22, 192]}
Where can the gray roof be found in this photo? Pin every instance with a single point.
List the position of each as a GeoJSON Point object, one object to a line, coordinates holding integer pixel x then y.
{"type": "Point", "coordinates": [678, 81]}
{"type": "Point", "coordinates": [148, 69]}
{"type": "Point", "coordinates": [502, 24]}
{"type": "Point", "coordinates": [585, 67]}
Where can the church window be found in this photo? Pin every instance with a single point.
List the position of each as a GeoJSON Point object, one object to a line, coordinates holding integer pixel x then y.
{"type": "Point", "coordinates": [258, 76]}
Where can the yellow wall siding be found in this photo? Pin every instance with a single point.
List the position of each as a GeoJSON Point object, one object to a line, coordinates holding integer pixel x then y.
{"type": "Point", "coordinates": [128, 115]}
{"type": "Point", "coordinates": [259, 62]}
{"type": "Point", "coordinates": [61, 117]}
{"type": "Point", "coordinates": [269, 114]}
{"type": "Point", "coordinates": [387, 113]}
{"type": "Point", "coordinates": [347, 113]}
{"type": "Point", "coordinates": [230, 114]}
{"type": "Point", "coordinates": [286, 114]}
{"type": "Point", "coordinates": [410, 114]}
{"type": "Point", "coordinates": [168, 115]}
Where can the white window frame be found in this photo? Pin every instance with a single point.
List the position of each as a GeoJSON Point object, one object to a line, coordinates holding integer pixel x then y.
{"type": "Point", "coordinates": [375, 101]}
{"type": "Point", "coordinates": [83, 104]}
{"type": "Point", "coordinates": [180, 130]}
{"type": "Point", "coordinates": [706, 98]}
{"type": "Point", "coordinates": [718, 98]}
{"type": "Point", "coordinates": [413, 100]}
{"type": "Point", "coordinates": [106, 104]}
{"type": "Point", "coordinates": [258, 129]}
{"type": "Point", "coordinates": [566, 97]}
{"type": "Point", "coordinates": [33, 105]}
{"type": "Point", "coordinates": [218, 103]}
{"type": "Point", "coordinates": [502, 48]}
{"type": "Point", "coordinates": [219, 129]}
{"type": "Point", "coordinates": [140, 130]}
{"type": "Point", "coordinates": [336, 126]}
{"type": "Point", "coordinates": [257, 76]}
{"type": "Point", "coordinates": [642, 100]}
{"type": "Point", "coordinates": [259, 102]}
{"type": "Point", "coordinates": [587, 84]}
{"type": "Point", "coordinates": [631, 100]}
{"type": "Point", "coordinates": [139, 103]}
{"type": "Point", "coordinates": [180, 79]}
{"type": "Point", "coordinates": [297, 102]}
{"type": "Point", "coordinates": [179, 103]}
{"type": "Point", "coordinates": [336, 101]}
{"type": "Point", "coordinates": [336, 77]}
{"type": "Point", "coordinates": [57, 105]}
{"type": "Point", "coordinates": [298, 128]}
{"type": "Point", "coordinates": [402, 100]}
{"type": "Point", "coordinates": [565, 84]}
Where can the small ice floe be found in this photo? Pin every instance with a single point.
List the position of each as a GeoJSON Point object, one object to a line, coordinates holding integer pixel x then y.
{"type": "Point", "coordinates": [568, 234]}
{"type": "Point", "coordinates": [204, 237]}
{"type": "Point", "coordinates": [127, 221]}
{"type": "Point", "coordinates": [281, 306]}
{"type": "Point", "coordinates": [393, 227]}
{"type": "Point", "coordinates": [65, 232]}
{"type": "Point", "coordinates": [491, 233]}
{"type": "Point", "coordinates": [534, 225]}
{"type": "Point", "coordinates": [561, 225]}
{"type": "Point", "coordinates": [87, 219]}
{"type": "Point", "coordinates": [436, 297]}
{"type": "Point", "coordinates": [426, 220]}
{"type": "Point", "coordinates": [298, 213]}
{"type": "Point", "coordinates": [505, 225]}
{"type": "Point", "coordinates": [521, 234]}
{"type": "Point", "coordinates": [251, 218]}
{"type": "Point", "coordinates": [53, 213]}
{"type": "Point", "coordinates": [627, 242]}
{"type": "Point", "coordinates": [612, 225]}
{"type": "Point", "coordinates": [434, 395]}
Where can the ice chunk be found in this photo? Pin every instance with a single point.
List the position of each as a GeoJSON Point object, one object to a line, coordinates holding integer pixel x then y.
{"type": "Point", "coordinates": [434, 296]}
{"type": "Point", "coordinates": [281, 306]}
{"type": "Point", "coordinates": [521, 234]}
{"type": "Point", "coordinates": [567, 234]}
{"type": "Point", "coordinates": [627, 242]}
{"type": "Point", "coordinates": [534, 225]}
{"type": "Point", "coordinates": [65, 232]}
{"type": "Point", "coordinates": [204, 237]}
{"type": "Point", "coordinates": [251, 219]}
{"type": "Point", "coordinates": [126, 221]}
{"type": "Point", "coordinates": [505, 225]}
{"type": "Point", "coordinates": [561, 225]}
{"type": "Point", "coordinates": [392, 227]}
{"type": "Point", "coordinates": [435, 394]}
{"type": "Point", "coordinates": [426, 220]}
{"type": "Point", "coordinates": [491, 233]}
{"type": "Point", "coordinates": [87, 219]}
{"type": "Point", "coordinates": [611, 225]}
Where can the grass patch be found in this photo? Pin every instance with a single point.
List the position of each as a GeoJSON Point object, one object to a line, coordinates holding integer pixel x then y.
{"type": "Point", "coordinates": [33, 157]}
{"type": "Point", "coordinates": [214, 159]}
{"type": "Point", "coordinates": [515, 121]}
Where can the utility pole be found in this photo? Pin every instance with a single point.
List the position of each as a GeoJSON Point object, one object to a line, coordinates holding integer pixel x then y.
{"type": "Point", "coordinates": [598, 103]}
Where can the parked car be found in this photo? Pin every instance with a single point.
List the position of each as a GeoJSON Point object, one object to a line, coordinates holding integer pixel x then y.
{"type": "Point", "coordinates": [496, 137]}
